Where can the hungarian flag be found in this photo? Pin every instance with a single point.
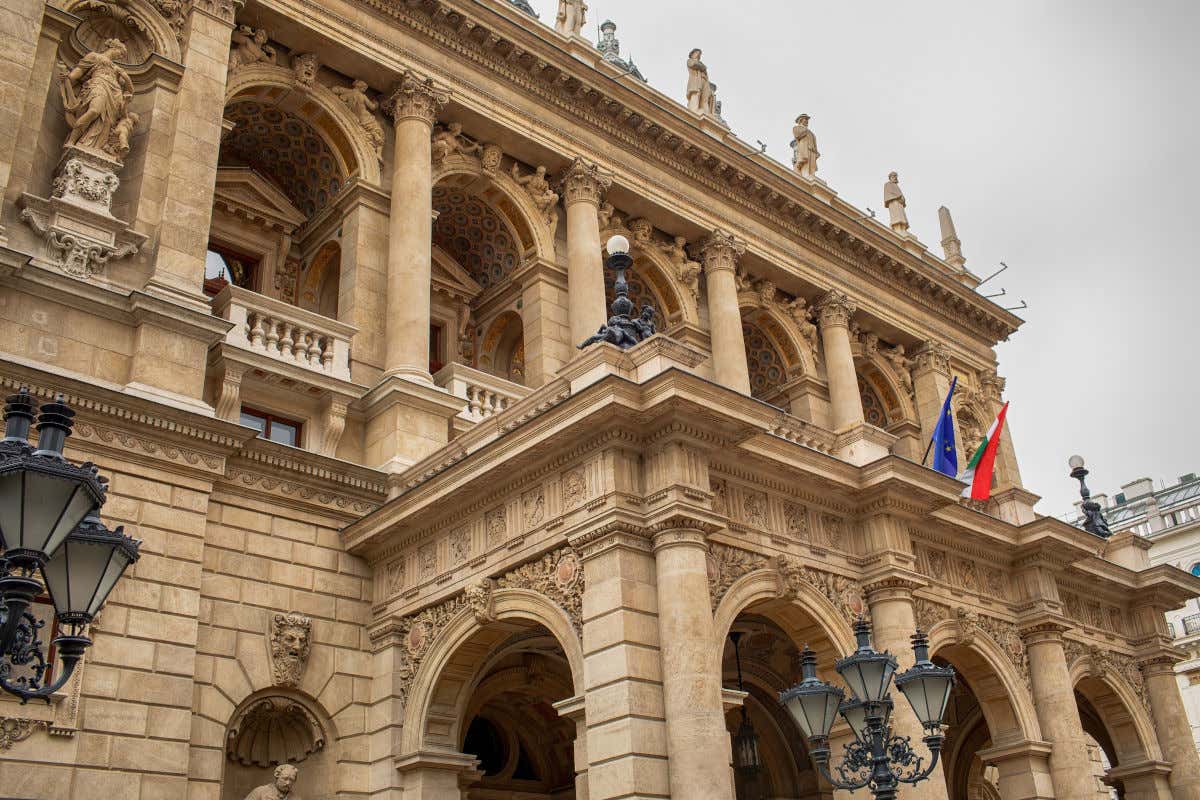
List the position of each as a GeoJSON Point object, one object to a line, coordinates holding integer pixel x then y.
{"type": "Point", "coordinates": [978, 474]}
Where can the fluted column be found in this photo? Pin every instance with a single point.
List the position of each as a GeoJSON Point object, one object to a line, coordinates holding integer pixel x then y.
{"type": "Point", "coordinates": [583, 187]}
{"type": "Point", "coordinates": [893, 623]}
{"type": "Point", "coordinates": [1058, 712]}
{"type": "Point", "coordinates": [697, 742]}
{"type": "Point", "coordinates": [833, 316]}
{"type": "Point", "coordinates": [719, 254]}
{"type": "Point", "coordinates": [414, 105]}
{"type": "Point", "coordinates": [1171, 724]}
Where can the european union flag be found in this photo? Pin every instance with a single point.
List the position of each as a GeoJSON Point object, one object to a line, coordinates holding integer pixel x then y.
{"type": "Point", "coordinates": [945, 457]}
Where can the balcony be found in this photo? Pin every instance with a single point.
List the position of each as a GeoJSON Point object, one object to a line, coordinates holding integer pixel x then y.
{"type": "Point", "coordinates": [485, 395]}
{"type": "Point", "coordinates": [299, 341]}
{"type": "Point", "coordinates": [1191, 624]}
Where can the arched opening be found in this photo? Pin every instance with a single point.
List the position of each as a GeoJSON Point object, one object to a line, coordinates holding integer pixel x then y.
{"type": "Point", "coordinates": [502, 351]}
{"type": "Point", "coordinates": [320, 283]}
{"type": "Point", "coordinates": [475, 235]}
{"type": "Point", "coordinates": [270, 729]}
{"type": "Point", "coordinates": [1112, 729]}
{"type": "Point", "coordinates": [881, 404]}
{"type": "Point", "coordinates": [765, 361]}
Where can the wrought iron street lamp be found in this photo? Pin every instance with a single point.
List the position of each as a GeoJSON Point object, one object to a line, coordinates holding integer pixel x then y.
{"type": "Point", "coordinates": [1093, 515]}
{"type": "Point", "coordinates": [622, 329]}
{"type": "Point", "coordinates": [50, 524]}
{"type": "Point", "coordinates": [746, 759]}
{"type": "Point", "coordinates": [875, 758]}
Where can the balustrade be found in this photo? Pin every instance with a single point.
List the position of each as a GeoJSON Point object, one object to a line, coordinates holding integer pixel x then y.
{"type": "Point", "coordinates": [486, 395]}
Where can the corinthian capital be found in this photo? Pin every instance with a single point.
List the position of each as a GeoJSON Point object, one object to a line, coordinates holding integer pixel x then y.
{"type": "Point", "coordinates": [993, 386]}
{"type": "Point", "coordinates": [224, 10]}
{"type": "Point", "coordinates": [416, 97]}
{"type": "Point", "coordinates": [835, 309]}
{"type": "Point", "coordinates": [933, 355]}
{"type": "Point", "coordinates": [584, 182]}
{"type": "Point", "coordinates": [721, 251]}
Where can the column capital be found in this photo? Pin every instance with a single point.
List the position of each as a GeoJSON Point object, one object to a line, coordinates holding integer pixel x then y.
{"type": "Point", "coordinates": [584, 182]}
{"type": "Point", "coordinates": [891, 587]}
{"type": "Point", "coordinates": [1042, 629]}
{"type": "Point", "coordinates": [993, 386]}
{"type": "Point", "coordinates": [417, 97]}
{"type": "Point", "coordinates": [834, 309]}
{"type": "Point", "coordinates": [932, 356]}
{"type": "Point", "coordinates": [721, 251]}
{"type": "Point", "coordinates": [224, 10]}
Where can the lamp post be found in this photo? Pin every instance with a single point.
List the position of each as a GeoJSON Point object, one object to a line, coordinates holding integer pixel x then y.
{"type": "Point", "coordinates": [621, 329]}
{"type": "Point", "coordinates": [875, 758]}
{"type": "Point", "coordinates": [1093, 516]}
{"type": "Point", "coordinates": [50, 525]}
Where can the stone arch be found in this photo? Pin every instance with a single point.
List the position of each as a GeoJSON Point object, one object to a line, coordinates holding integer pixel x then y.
{"type": "Point", "coordinates": [272, 85]}
{"type": "Point", "coordinates": [502, 351]}
{"type": "Point", "coordinates": [882, 390]}
{"type": "Point", "coordinates": [277, 726]}
{"type": "Point", "coordinates": [503, 194]}
{"type": "Point", "coordinates": [797, 355]}
{"type": "Point", "coordinates": [1128, 735]}
{"type": "Point", "coordinates": [321, 283]}
{"type": "Point", "coordinates": [136, 22]}
{"type": "Point", "coordinates": [658, 274]}
{"type": "Point", "coordinates": [774, 356]}
{"type": "Point", "coordinates": [781, 744]}
{"type": "Point", "coordinates": [473, 232]}
{"type": "Point", "coordinates": [444, 682]}
{"type": "Point", "coordinates": [1003, 696]}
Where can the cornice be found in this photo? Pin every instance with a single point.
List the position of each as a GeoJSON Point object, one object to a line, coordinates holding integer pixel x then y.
{"type": "Point", "coordinates": [643, 120]}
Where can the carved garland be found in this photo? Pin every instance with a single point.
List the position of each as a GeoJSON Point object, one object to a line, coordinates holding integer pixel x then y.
{"type": "Point", "coordinates": [16, 729]}
{"type": "Point", "coordinates": [1103, 663]}
{"type": "Point", "coordinates": [725, 565]}
{"type": "Point", "coordinates": [971, 623]}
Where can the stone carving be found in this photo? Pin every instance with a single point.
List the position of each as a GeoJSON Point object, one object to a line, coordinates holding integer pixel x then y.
{"type": "Point", "coordinates": [893, 199]}
{"type": "Point", "coordinates": [835, 308]}
{"type": "Point", "coordinates": [363, 108]}
{"type": "Point", "coordinates": [535, 508]}
{"type": "Point", "coordinates": [96, 95]}
{"type": "Point", "coordinates": [290, 644]}
{"type": "Point", "coordinates": [281, 787]}
{"type": "Point", "coordinates": [427, 559]}
{"type": "Point", "coordinates": [416, 97]}
{"type": "Point", "coordinates": [496, 522]}
{"type": "Point", "coordinates": [937, 565]}
{"type": "Point", "coordinates": [250, 47]}
{"type": "Point", "coordinates": [173, 11]}
{"type": "Point", "coordinates": [641, 230]}
{"type": "Point", "coordinates": [558, 576]}
{"type": "Point", "coordinates": [479, 599]}
{"type": "Point", "coordinates": [844, 593]}
{"type": "Point", "coordinates": [802, 315]}
{"type": "Point", "coordinates": [544, 197]}
{"type": "Point", "coordinates": [610, 50]}
{"type": "Point", "coordinates": [583, 182]}
{"type": "Point", "coordinates": [721, 250]}
{"type": "Point", "coordinates": [701, 96]}
{"type": "Point", "coordinates": [951, 245]}
{"type": "Point", "coordinates": [490, 156]}
{"type": "Point", "coordinates": [450, 140]}
{"type": "Point", "coordinates": [933, 355]}
{"type": "Point", "coordinates": [968, 576]}
{"type": "Point", "coordinates": [754, 508]}
{"type": "Point", "coordinates": [725, 565]}
{"type": "Point", "coordinates": [804, 149]}
{"type": "Point", "coordinates": [767, 293]}
{"type": "Point", "coordinates": [833, 528]}
{"type": "Point", "coordinates": [76, 180]}
{"type": "Point", "coordinates": [1092, 613]}
{"type": "Point", "coordinates": [795, 518]}
{"type": "Point", "coordinates": [460, 546]}
{"type": "Point", "coordinates": [720, 502]}
{"type": "Point", "coordinates": [623, 331]}
{"type": "Point", "coordinates": [574, 488]}
{"type": "Point", "coordinates": [686, 270]}
{"type": "Point", "coordinates": [287, 278]}
{"type": "Point", "coordinates": [971, 623]}
{"type": "Point", "coordinates": [16, 729]}
{"type": "Point", "coordinates": [604, 215]}
{"type": "Point", "coordinates": [572, 14]}
{"type": "Point", "coordinates": [396, 576]}
{"type": "Point", "coordinates": [901, 364]}
{"type": "Point", "coordinates": [304, 68]}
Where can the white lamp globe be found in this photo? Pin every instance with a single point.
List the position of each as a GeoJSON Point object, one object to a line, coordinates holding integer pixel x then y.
{"type": "Point", "coordinates": [618, 245]}
{"type": "Point", "coordinates": [1075, 462]}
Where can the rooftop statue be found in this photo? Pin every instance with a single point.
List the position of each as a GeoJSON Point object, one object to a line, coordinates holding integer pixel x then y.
{"type": "Point", "coordinates": [804, 148]}
{"type": "Point", "coordinates": [572, 14]}
{"type": "Point", "coordinates": [96, 95]}
{"type": "Point", "coordinates": [893, 198]}
{"type": "Point", "coordinates": [700, 95]}
{"type": "Point", "coordinates": [280, 788]}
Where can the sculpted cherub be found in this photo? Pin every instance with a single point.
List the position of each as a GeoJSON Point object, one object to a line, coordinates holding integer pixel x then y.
{"type": "Point", "coordinates": [450, 140]}
{"type": "Point", "coordinates": [802, 315]}
{"type": "Point", "coordinates": [250, 47]}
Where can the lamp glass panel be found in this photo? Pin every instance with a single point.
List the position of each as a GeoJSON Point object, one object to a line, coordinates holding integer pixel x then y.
{"type": "Point", "coordinates": [11, 495]}
{"type": "Point", "coordinates": [814, 712]}
{"type": "Point", "coordinates": [108, 581]}
{"type": "Point", "coordinates": [81, 574]}
{"type": "Point", "coordinates": [928, 696]}
{"type": "Point", "coordinates": [53, 507]}
{"type": "Point", "coordinates": [856, 717]}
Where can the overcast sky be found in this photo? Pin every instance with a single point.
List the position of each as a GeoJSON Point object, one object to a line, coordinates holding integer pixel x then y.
{"type": "Point", "coordinates": [1062, 134]}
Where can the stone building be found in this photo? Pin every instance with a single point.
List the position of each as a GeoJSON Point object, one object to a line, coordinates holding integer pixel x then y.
{"type": "Point", "coordinates": [464, 558]}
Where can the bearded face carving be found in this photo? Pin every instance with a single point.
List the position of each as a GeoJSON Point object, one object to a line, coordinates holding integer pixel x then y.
{"type": "Point", "coordinates": [291, 640]}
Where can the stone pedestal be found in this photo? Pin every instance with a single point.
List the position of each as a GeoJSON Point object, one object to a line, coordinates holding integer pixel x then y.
{"type": "Point", "coordinates": [1024, 770]}
{"type": "Point", "coordinates": [80, 231]}
{"type": "Point", "coordinates": [719, 254]}
{"type": "Point", "coordinates": [406, 421]}
{"type": "Point", "coordinates": [437, 775]}
{"type": "Point", "coordinates": [583, 187]}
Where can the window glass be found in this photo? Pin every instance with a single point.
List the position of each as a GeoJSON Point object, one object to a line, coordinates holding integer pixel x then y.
{"type": "Point", "coordinates": [254, 421]}
{"type": "Point", "coordinates": [284, 432]}
{"type": "Point", "coordinates": [269, 426]}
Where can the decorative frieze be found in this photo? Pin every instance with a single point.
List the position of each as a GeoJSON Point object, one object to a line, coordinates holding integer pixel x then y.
{"type": "Point", "coordinates": [726, 564]}
{"type": "Point", "coordinates": [1093, 613]}
{"type": "Point", "coordinates": [533, 505]}
{"type": "Point", "coordinates": [1104, 664]}
{"type": "Point", "coordinates": [962, 572]}
{"type": "Point", "coordinates": [846, 594]}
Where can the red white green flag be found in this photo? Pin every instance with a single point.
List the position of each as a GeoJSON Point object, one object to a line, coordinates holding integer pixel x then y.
{"type": "Point", "coordinates": [978, 474]}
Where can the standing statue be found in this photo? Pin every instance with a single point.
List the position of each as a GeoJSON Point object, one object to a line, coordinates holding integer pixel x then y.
{"type": "Point", "coordinates": [539, 189]}
{"type": "Point", "coordinates": [893, 198]}
{"type": "Point", "coordinates": [572, 14]}
{"type": "Point", "coordinates": [686, 270]}
{"type": "Point", "coordinates": [700, 97]}
{"type": "Point", "coordinates": [250, 47]}
{"type": "Point", "coordinates": [903, 366]}
{"type": "Point", "coordinates": [280, 788]}
{"type": "Point", "coordinates": [96, 97]}
{"type": "Point", "coordinates": [804, 148]}
{"type": "Point", "coordinates": [363, 108]}
{"type": "Point", "coordinates": [802, 314]}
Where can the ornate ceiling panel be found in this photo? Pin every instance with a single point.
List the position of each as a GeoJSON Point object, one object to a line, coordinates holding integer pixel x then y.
{"type": "Point", "coordinates": [472, 232]}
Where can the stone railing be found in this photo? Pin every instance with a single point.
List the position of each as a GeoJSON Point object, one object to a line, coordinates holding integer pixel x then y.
{"type": "Point", "coordinates": [285, 333]}
{"type": "Point", "coordinates": [485, 394]}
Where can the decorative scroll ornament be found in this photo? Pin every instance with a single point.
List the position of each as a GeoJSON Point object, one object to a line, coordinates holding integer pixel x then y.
{"type": "Point", "coordinates": [835, 309]}
{"type": "Point", "coordinates": [291, 636]}
{"type": "Point", "coordinates": [16, 729]}
{"type": "Point", "coordinates": [584, 182]}
{"type": "Point", "coordinates": [844, 593]}
{"type": "Point", "coordinates": [726, 565]}
{"type": "Point", "coordinates": [721, 251]}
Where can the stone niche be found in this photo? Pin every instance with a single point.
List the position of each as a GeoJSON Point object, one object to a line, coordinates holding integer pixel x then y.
{"type": "Point", "coordinates": [275, 729]}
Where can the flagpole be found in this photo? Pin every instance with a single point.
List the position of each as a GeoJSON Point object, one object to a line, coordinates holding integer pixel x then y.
{"type": "Point", "coordinates": [928, 450]}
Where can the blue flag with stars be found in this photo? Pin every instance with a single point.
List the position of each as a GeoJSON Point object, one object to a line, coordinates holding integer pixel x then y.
{"type": "Point", "coordinates": [945, 456]}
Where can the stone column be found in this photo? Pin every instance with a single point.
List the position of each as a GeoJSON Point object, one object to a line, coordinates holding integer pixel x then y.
{"type": "Point", "coordinates": [431, 775]}
{"type": "Point", "coordinates": [583, 187]}
{"type": "Point", "coordinates": [697, 742]}
{"type": "Point", "coordinates": [931, 382]}
{"type": "Point", "coordinates": [833, 316]}
{"type": "Point", "coordinates": [893, 622]}
{"type": "Point", "coordinates": [1024, 770]}
{"type": "Point", "coordinates": [192, 161]}
{"type": "Point", "coordinates": [414, 105]}
{"type": "Point", "coordinates": [719, 254]}
{"type": "Point", "coordinates": [1171, 724]}
{"type": "Point", "coordinates": [1058, 712]}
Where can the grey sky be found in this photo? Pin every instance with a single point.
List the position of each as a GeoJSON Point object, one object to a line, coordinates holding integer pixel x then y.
{"type": "Point", "coordinates": [1063, 136]}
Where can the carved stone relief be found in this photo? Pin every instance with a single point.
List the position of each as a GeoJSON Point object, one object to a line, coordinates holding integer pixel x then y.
{"type": "Point", "coordinates": [460, 546]}
{"type": "Point", "coordinates": [1092, 613]}
{"type": "Point", "coordinates": [970, 623]}
{"type": "Point", "coordinates": [795, 518]}
{"type": "Point", "coordinates": [16, 729]}
{"type": "Point", "coordinates": [496, 522]}
{"type": "Point", "coordinates": [290, 645]}
{"type": "Point", "coordinates": [720, 501]}
{"type": "Point", "coordinates": [846, 594]}
{"type": "Point", "coordinates": [534, 505]}
{"type": "Point", "coordinates": [1104, 663]}
{"type": "Point", "coordinates": [725, 565]}
{"type": "Point", "coordinates": [427, 559]}
{"type": "Point", "coordinates": [574, 488]}
{"type": "Point", "coordinates": [754, 509]}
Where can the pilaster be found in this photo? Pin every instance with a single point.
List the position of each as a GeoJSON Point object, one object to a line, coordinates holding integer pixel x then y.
{"type": "Point", "coordinates": [19, 42]}
{"type": "Point", "coordinates": [931, 382]}
{"type": "Point", "coordinates": [719, 254]}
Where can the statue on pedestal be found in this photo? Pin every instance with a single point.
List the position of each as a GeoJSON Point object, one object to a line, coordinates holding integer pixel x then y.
{"type": "Point", "coordinates": [700, 94]}
{"type": "Point", "coordinates": [804, 148]}
{"type": "Point", "coordinates": [280, 788]}
{"type": "Point", "coordinates": [572, 14]}
{"type": "Point", "coordinates": [96, 95]}
{"type": "Point", "coordinates": [893, 198]}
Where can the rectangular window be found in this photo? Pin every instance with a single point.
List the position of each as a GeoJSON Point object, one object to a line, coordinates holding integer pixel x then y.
{"type": "Point", "coordinates": [223, 265]}
{"type": "Point", "coordinates": [273, 427]}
